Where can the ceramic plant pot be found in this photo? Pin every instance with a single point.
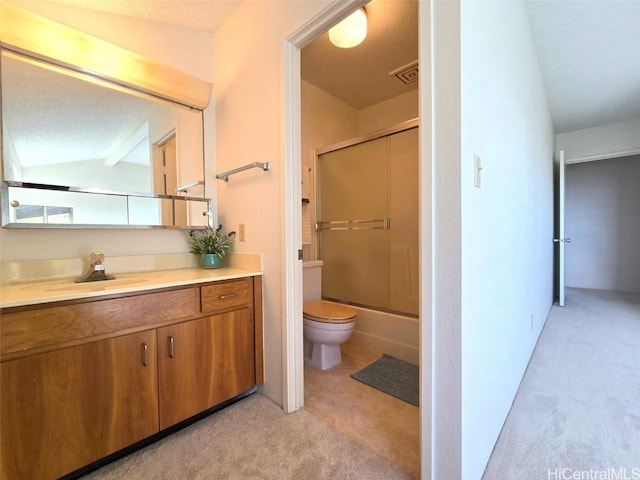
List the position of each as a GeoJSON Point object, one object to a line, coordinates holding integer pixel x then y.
{"type": "Point", "coordinates": [210, 260]}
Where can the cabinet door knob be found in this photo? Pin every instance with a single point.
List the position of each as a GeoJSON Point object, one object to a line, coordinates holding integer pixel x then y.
{"type": "Point", "coordinates": [171, 347]}
{"type": "Point", "coordinates": [145, 354]}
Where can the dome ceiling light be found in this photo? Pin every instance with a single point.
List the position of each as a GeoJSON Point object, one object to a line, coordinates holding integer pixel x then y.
{"type": "Point", "coordinates": [351, 31]}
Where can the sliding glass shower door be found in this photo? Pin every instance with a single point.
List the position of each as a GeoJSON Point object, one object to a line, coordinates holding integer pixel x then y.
{"type": "Point", "coordinates": [368, 233]}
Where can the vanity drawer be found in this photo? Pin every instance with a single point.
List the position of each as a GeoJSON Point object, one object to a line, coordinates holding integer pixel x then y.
{"type": "Point", "coordinates": [225, 295]}
{"type": "Point", "coordinates": [42, 326]}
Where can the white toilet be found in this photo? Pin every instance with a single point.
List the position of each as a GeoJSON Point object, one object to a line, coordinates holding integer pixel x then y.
{"type": "Point", "coordinates": [327, 325]}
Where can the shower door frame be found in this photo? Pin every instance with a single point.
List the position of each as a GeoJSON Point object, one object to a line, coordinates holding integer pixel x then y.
{"type": "Point", "coordinates": [375, 135]}
{"type": "Point", "coordinates": [385, 132]}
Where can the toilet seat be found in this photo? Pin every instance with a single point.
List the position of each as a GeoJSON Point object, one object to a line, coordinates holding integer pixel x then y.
{"type": "Point", "coordinates": [328, 312]}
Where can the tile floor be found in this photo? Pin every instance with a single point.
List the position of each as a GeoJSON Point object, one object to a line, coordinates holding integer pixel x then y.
{"type": "Point", "coordinates": [388, 426]}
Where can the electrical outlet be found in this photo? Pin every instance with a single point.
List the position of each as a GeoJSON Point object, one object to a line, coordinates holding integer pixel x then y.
{"type": "Point", "coordinates": [241, 232]}
{"type": "Point", "coordinates": [531, 323]}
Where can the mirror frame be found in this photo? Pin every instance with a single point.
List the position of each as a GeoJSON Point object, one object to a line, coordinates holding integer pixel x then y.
{"type": "Point", "coordinates": [38, 37]}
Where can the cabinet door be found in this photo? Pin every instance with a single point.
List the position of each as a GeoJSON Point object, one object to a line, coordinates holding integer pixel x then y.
{"type": "Point", "coordinates": [204, 362]}
{"type": "Point", "coordinates": [64, 409]}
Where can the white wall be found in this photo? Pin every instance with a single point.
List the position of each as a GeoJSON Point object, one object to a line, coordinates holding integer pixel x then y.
{"type": "Point", "coordinates": [123, 176]}
{"type": "Point", "coordinates": [325, 119]}
{"type": "Point", "coordinates": [390, 112]}
{"type": "Point", "coordinates": [249, 91]}
{"type": "Point", "coordinates": [440, 239]}
{"type": "Point", "coordinates": [602, 220]}
{"type": "Point", "coordinates": [186, 49]}
{"type": "Point", "coordinates": [507, 223]}
{"type": "Point", "coordinates": [606, 141]}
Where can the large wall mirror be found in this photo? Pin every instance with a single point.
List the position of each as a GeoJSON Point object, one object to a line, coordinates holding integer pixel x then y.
{"type": "Point", "coordinates": [80, 150]}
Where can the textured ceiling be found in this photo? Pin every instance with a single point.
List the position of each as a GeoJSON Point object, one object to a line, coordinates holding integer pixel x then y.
{"type": "Point", "coordinates": [199, 14]}
{"type": "Point", "coordinates": [589, 53]}
{"type": "Point", "coordinates": [359, 76]}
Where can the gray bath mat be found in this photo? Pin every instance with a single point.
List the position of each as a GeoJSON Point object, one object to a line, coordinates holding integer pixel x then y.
{"type": "Point", "coordinates": [392, 376]}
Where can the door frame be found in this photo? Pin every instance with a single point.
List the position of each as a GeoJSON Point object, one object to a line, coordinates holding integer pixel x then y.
{"type": "Point", "coordinates": [440, 222]}
{"type": "Point", "coordinates": [293, 360]}
{"type": "Point", "coordinates": [559, 235]}
{"type": "Point", "coordinates": [559, 238]}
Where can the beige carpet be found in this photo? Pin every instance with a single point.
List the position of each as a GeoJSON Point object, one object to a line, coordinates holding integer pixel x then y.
{"type": "Point", "coordinates": [253, 439]}
{"type": "Point", "coordinates": [578, 406]}
{"type": "Point", "coordinates": [385, 424]}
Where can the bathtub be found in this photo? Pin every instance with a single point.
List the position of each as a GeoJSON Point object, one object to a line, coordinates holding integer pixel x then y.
{"type": "Point", "coordinates": [389, 333]}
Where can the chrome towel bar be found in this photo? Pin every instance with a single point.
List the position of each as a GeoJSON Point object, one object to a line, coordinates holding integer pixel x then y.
{"type": "Point", "coordinates": [225, 175]}
{"type": "Point", "coordinates": [184, 188]}
{"type": "Point", "coordinates": [378, 224]}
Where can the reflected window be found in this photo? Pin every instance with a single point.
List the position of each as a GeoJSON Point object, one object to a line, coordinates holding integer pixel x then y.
{"type": "Point", "coordinates": [44, 214]}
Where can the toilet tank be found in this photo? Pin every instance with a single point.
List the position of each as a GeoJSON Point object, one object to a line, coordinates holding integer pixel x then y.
{"type": "Point", "coordinates": [311, 280]}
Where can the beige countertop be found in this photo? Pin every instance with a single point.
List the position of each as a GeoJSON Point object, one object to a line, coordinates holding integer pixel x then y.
{"type": "Point", "coordinates": [20, 294]}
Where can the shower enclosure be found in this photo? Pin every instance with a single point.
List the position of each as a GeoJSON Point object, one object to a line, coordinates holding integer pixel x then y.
{"type": "Point", "coordinates": [368, 227]}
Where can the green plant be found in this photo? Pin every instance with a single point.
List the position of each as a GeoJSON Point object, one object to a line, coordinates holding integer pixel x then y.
{"type": "Point", "coordinates": [211, 241]}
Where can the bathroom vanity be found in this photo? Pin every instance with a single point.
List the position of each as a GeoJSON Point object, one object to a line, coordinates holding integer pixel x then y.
{"type": "Point", "coordinates": [90, 369]}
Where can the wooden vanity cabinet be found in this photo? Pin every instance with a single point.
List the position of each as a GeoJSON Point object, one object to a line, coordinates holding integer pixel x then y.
{"type": "Point", "coordinates": [67, 404]}
{"type": "Point", "coordinates": [203, 363]}
{"type": "Point", "coordinates": [64, 409]}
{"type": "Point", "coordinates": [206, 361]}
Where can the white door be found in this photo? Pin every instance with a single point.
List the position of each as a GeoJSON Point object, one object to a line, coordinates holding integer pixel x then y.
{"type": "Point", "coordinates": [561, 240]}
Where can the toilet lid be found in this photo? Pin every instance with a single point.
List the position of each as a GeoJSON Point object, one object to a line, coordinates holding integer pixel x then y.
{"type": "Point", "coordinates": [328, 312]}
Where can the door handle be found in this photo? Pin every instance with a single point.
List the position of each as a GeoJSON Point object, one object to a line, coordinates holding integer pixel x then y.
{"type": "Point", "coordinates": [171, 347]}
{"type": "Point", "coordinates": [145, 355]}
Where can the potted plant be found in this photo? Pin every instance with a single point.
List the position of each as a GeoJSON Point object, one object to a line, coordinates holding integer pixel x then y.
{"type": "Point", "coordinates": [211, 245]}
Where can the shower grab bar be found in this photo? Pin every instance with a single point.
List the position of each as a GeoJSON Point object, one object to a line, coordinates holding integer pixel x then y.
{"type": "Point", "coordinates": [383, 224]}
{"type": "Point", "coordinates": [225, 175]}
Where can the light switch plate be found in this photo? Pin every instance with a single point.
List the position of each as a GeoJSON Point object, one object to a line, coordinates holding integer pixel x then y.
{"type": "Point", "coordinates": [477, 171]}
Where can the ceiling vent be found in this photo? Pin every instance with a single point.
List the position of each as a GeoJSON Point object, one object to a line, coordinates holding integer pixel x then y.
{"type": "Point", "coordinates": [407, 74]}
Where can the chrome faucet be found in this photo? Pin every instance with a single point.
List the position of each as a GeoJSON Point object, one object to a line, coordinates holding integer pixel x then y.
{"type": "Point", "coordinates": [96, 269]}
